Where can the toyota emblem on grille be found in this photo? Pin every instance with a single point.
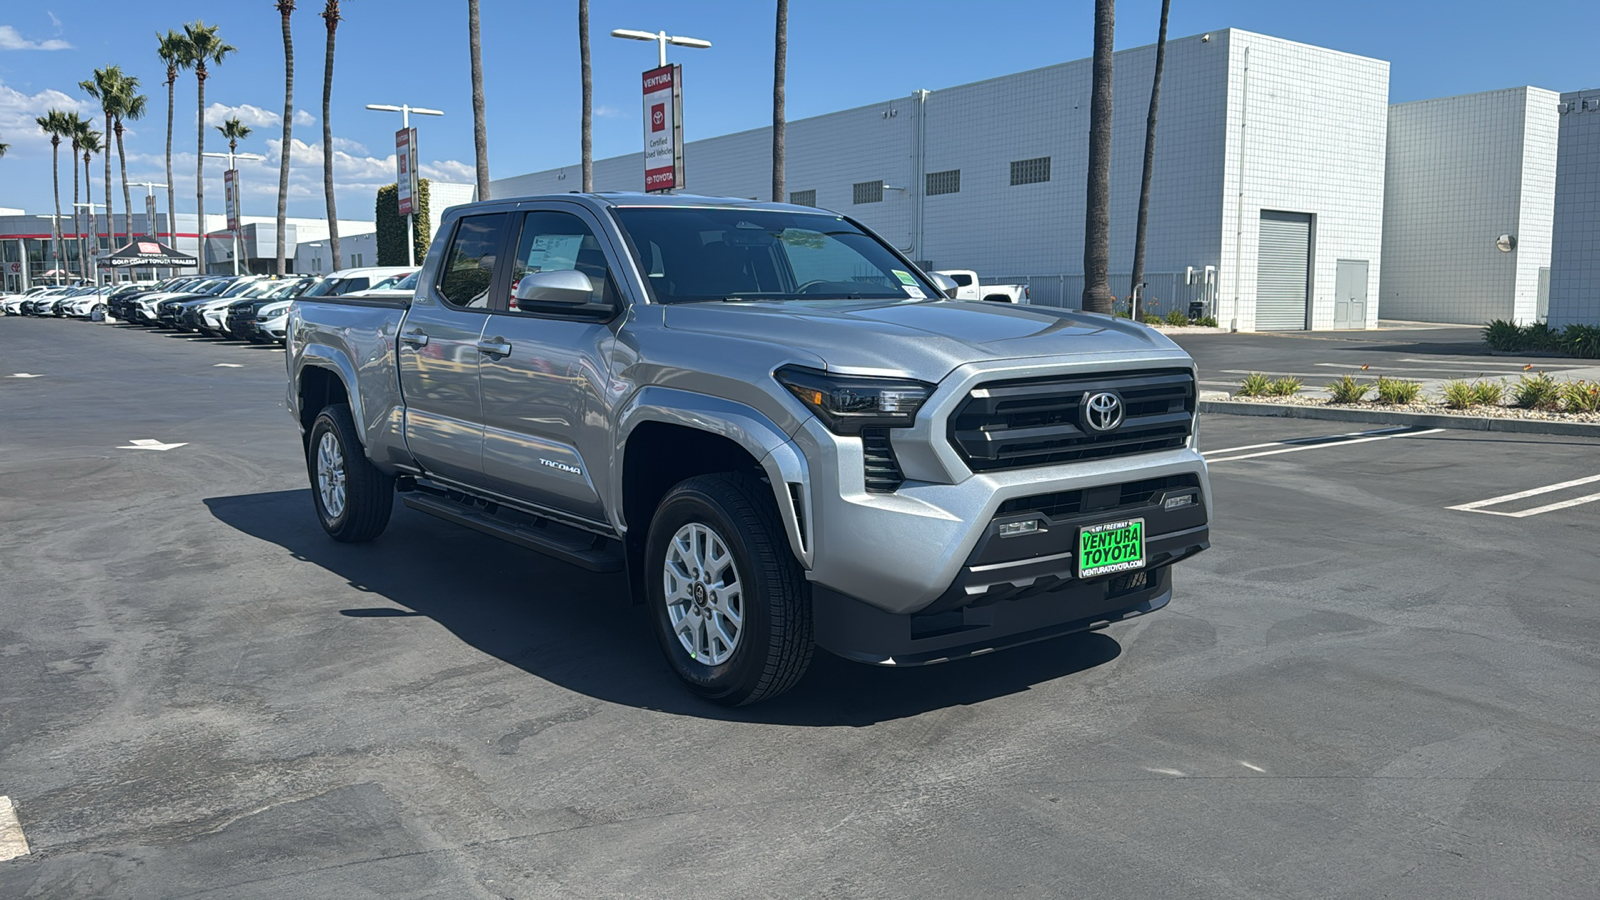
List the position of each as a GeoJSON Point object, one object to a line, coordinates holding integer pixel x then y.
{"type": "Point", "coordinates": [1102, 412]}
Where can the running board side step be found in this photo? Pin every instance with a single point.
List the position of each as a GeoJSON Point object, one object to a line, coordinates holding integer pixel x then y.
{"type": "Point", "coordinates": [594, 552]}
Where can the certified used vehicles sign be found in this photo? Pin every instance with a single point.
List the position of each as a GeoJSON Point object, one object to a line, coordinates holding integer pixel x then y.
{"type": "Point", "coordinates": [1110, 547]}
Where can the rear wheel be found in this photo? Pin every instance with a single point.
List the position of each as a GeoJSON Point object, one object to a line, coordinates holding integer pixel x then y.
{"type": "Point", "coordinates": [728, 602]}
{"type": "Point", "coordinates": [353, 499]}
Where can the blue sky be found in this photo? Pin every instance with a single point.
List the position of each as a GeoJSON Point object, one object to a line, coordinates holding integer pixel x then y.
{"type": "Point", "coordinates": [842, 53]}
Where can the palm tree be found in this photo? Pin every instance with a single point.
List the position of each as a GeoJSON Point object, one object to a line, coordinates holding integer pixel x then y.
{"type": "Point", "coordinates": [4, 148]}
{"type": "Point", "coordinates": [235, 131]}
{"type": "Point", "coordinates": [1149, 167]}
{"type": "Point", "coordinates": [586, 140]}
{"type": "Point", "coordinates": [480, 129]}
{"type": "Point", "coordinates": [285, 7]}
{"type": "Point", "coordinates": [205, 48]}
{"type": "Point", "coordinates": [89, 143]}
{"type": "Point", "coordinates": [76, 126]}
{"type": "Point", "coordinates": [130, 106]}
{"type": "Point", "coordinates": [103, 87]}
{"type": "Point", "coordinates": [54, 123]}
{"type": "Point", "coordinates": [330, 17]}
{"type": "Point", "coordinates": [780, 66]}
{"type": "Point", "coordinates": [174, 52]}
{"type": "Point", "coordinates": [1097, 207]}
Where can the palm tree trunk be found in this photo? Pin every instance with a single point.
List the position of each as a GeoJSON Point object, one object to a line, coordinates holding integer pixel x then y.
{"type": "Point", "coordinates": [200, 168]}
{"type": "Point", "coordinates": [780, 66]}
{"type": "Point", "coordinates": [55, 223]}
{"type": "Point", "coordinates": [1149, 167]}
{"type": "Point", "coordinates": [331, 17]}
{"type": "Point", "coordinates": [172, 192]}
{"type": "Point", "coordinates": [285, 8]}
{"type": "Point", "coordinates": [1097, 206]}
{"type": "Point", "coordinates": [77, 221]}
{"type": "Point", "coordinates": [88, 197]}
{"type": "Point", "coordinates": [480, 130]}
{"type": "Point", "coordinates": [586, 140]}
{"type": "Point", "coordinates": [111, 208]}
{"type": "Point", "coordinates": [127, 199]}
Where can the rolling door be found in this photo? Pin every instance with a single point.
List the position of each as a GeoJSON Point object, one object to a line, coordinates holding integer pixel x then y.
{"type": "Point", "coordinates": [1282, 267]}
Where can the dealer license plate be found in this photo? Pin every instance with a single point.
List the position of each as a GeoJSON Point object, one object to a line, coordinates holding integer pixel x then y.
{"type": "Point", "coordinates": [1110, 547]}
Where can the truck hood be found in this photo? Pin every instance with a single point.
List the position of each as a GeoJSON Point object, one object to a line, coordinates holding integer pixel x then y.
{"type": "Point", "coordinates": [925, 340]}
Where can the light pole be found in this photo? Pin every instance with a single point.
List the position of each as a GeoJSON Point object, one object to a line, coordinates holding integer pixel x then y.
{"type": "Point", "coordinates": [94, 238]}
{"type": "Point", "coordinates": [405, 112]}
{"type": "Point", "coordinates": [151, 222]}
{"type": "Point", "coordinates": [233, 235]}
{"type": "Point", "coordinates": [662, 39]}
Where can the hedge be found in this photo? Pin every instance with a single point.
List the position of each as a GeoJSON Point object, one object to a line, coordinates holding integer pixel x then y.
{"type": "Point", "coordinates": [392, 225]}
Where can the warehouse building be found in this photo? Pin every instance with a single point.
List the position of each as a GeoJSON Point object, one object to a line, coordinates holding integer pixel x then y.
{"type": "Point", "coordinates": [1468, 202]}
{"type": "Point", "coordinates": [1575, 258]}
{"type": "Point", "coordinates": [1267, 203]}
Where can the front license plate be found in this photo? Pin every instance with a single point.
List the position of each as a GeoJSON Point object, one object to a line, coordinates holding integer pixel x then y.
{"type": "Point", "coordinates": [1110, 547]}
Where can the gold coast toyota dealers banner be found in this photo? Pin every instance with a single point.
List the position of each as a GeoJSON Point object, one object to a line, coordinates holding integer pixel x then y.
{"type": "Point", "coordinates": [663, 129]}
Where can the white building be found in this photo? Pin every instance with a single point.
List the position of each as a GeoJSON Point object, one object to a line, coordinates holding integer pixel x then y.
{"type": "Point", "coordinates": [1268, 190]}
{"type": "Point", "coordinates": [1575, 261]}
{"type": "Point", "coordinates": [1468, 201]}
{"type": "Point", "coordinates": [355, 251]}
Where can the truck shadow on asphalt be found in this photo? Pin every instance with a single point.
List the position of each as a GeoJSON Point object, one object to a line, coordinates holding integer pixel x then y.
{"type": "Point", "coordinates": [580, 630]}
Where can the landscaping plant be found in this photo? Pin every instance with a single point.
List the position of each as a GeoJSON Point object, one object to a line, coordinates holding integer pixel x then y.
{"type": "Point", "coordinates": [1489, 393]}
{"type": "Point", "coordinates": [1538, 392]}
{"type": "Point", "coordinates": [1397, 391]}
{"type": "Point", "coordinates": [1347, 390]}
{"type": "Point", "coordinates": [1503, 336]}
{"type": "Point", "coordinates": [1581, 340]}
{"type": "Point", "coordinates": [1286, 387]}
{"type": "Point", "coordinates": [1154, 320]}
{"type": "Point", "coordinates": [1580, 396]}
{"type": "Point", "coordinates": [1176, 318]}
{"type": "Point", "coordinates": [1459, 394]}
{"type": "Point", "coordinates": [1208, 321]}
{"type": "Point", "coordinates": [1255, 385]}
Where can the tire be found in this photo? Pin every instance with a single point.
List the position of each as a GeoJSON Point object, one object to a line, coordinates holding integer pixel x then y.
{"type": "Point", "coordinates": [772, 644]}
{"type": "Point", "coordinates": [355, 502]}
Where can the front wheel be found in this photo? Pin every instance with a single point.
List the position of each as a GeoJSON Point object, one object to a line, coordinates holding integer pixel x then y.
{"type": "Point", "coordinates": [728, 602]}
{"type": "Point", "coordinates": [353, 499]}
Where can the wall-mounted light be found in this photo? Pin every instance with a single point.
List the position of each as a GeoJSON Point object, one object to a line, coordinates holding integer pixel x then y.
{"type": "Point", "coordinates": [1506, 242]}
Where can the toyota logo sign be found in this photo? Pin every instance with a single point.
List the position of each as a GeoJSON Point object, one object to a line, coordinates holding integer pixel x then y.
{"type": "Point", "coordinates": [1102, 412]}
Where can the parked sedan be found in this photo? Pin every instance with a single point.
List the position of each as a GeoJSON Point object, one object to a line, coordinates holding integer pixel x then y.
{"type": "Point", "coordinates": [272, 322]}
{"type": "Point", "coordinates": [240, 317]}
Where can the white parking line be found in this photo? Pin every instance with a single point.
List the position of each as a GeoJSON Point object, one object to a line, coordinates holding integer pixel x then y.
{"type": "Point", "coordinates": [1477, 506]}
{"type": "Point", "coordinates": [12, 841]}
{"type": "Point", "coordinates": [1405, 432]}
{"type": "Point", "coordinates": [1310, 440]}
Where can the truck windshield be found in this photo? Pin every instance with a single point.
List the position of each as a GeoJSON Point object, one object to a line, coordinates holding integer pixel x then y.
{"type": "Point", "coordinates": [690, 255]}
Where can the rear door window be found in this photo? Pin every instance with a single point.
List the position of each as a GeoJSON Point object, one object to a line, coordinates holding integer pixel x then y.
{"type": "Point", "coordinates": [467, 273]}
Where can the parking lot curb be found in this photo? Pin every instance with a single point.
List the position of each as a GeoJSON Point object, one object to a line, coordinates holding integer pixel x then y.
{"type": "Point", "coordinates": [1380, 417]}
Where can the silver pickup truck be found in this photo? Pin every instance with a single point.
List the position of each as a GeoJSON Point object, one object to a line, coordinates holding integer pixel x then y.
{"type": "Point", "coordinates": [775, 423]}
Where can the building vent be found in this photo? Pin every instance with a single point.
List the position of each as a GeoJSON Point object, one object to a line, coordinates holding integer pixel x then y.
{"type": "Point", "coordinates": [944, 182]}
{"type": "Point", "coordinates": [803, 198]}
{"type": "Point", "coordinates": [1030, 171]}
{"type": "Point", "coordinates": [868, 192]}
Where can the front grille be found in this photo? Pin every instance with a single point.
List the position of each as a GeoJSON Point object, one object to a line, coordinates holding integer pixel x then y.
{"type": "Point", "coordinates": [1036, 421]}
{"type": "Point", "coordinates": [1128, 495]}
{"type": "Point", "coordinates": [883, 474]}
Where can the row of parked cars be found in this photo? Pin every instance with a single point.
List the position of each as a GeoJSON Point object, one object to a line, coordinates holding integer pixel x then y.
{"type": "Point", "coordinates": [241, 307]}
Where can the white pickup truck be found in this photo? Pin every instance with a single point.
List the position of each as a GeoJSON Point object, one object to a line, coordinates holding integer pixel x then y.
{"type": "Point", "coordinates": [968, 288]}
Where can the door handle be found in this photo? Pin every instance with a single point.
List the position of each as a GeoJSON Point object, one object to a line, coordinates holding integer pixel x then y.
{"type": "Point", "coordinates": [414, 339]}
{"type": "Point", "coordinates": [495, 346]}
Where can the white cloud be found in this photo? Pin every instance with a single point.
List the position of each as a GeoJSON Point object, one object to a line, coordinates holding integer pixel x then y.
{"type": "Point", "coordinates": [53, 20]}
{"type": "Point", "coordinates": [449, 170]}
{"type": "Point", "coordinates": [18, 111]}
{"type": "Point", "coordinates": [607, 112]}
{"type": "Point", "coordinates": [253, 116]}
{"type": "Point", "coordinates": [11, 39]}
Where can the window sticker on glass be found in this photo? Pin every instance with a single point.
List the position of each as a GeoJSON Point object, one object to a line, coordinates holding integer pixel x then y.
{"type": "Point", "coordinates": [915, 292]}
{"type": "Point", "coordinates": [905, 277]}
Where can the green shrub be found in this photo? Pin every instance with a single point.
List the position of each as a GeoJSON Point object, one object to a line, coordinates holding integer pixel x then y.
{"type": "Point", "coordinates": [1489, 393]}
{"type": "Point", "coordinates": [1286, 387]}
{"type": "Point", "coordinates": [1538, 392]}
{"type": "Point", "coordinates": [1208, 321]}
{"type": "Point", "coordinates": [1503, 336]}
{"type": "Point", "coordinates": [1255, 385]}
{"type": "Point", "coordinates": [1538, 336]}
{"type": "Point", "coordinates": [1459, 394]}
{"type": "Point", "coordinates": [1176, 318]}
{"type": "Point", "coordinates": [1153, 320]}
{"type": "Point", "coordinates": [1397, 391]}
{"type": "Point", "coordinates": [1580, 396]}
{"type": "Point", "coordinates": [1347, 390]}
{"type": "Point", "coordinates": [1581, 340]}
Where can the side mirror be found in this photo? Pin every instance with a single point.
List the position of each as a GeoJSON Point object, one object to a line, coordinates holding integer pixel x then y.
{"type": "Point", "coordinates": [566, 287]}
{"type": "Point", "coordinates": [946, 284]}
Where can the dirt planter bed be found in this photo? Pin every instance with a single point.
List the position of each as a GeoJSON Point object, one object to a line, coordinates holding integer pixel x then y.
{"type": "Point", "coordinates": [1424, 414]}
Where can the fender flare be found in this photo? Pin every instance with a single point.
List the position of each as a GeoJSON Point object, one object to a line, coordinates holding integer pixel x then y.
{"type": "Point", "coordinates": [768, 444]}
{"type": "Point", "coordinates": [322, 356]}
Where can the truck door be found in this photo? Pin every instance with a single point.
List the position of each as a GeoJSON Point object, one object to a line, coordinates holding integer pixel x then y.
{"type": "Point", "coordinates": [438, 352]}
{"type": "Point", "coordinates": [545, 379]}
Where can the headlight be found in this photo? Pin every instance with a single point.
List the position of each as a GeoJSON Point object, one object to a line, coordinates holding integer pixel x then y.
{"type": "Point", "coordinates": [849, 403]}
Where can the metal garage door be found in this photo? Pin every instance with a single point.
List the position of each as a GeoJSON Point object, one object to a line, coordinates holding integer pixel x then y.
{"type": "Point", "coordinates": [1282, 267]}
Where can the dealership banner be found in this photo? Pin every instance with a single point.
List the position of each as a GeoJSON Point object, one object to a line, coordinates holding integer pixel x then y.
{"type": "Point", "coordinates": [230, 197]}
{"type": "Point", "coordinates": [663, 129]}
{"type": "Point", "coordinates": [405, 169]}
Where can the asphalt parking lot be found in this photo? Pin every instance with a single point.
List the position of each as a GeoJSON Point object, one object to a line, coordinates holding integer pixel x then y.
{"type": "Point", "coordinates": [1381, 681]}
